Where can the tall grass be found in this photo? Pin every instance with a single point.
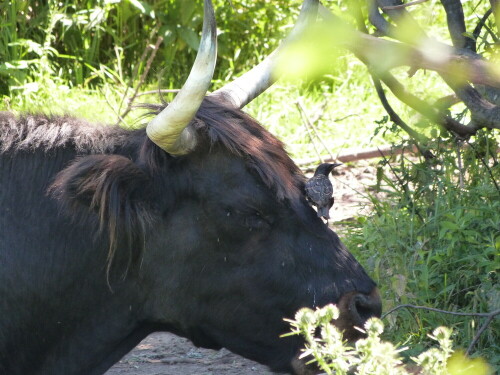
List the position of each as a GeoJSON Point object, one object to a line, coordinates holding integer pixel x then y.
{"type": "Point", "coordinates": [86, 37]}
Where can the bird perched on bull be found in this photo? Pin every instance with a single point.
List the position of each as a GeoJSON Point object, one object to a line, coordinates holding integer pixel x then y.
{"type": "Point", "coordinates": [319, 189]}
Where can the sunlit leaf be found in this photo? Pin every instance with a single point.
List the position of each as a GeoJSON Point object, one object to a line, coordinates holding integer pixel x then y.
{"type": "Point", "coordinates": [189, 36]}
{"type": "Point", "coordinates": [460, 364]}
{"type": "Point", "coordinates": [143, 7]}
{"type": "Point", "coordinates": [314, 53]}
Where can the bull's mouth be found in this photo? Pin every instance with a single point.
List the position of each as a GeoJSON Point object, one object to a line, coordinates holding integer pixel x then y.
{"type": "Point", "coordinates": [355, 309]}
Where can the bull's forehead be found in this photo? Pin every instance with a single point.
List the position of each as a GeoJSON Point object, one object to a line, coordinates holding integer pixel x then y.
{"type": "Point", "coordinates": [244, 138]}
{"type": "Point", "coordinates": [231, 178]}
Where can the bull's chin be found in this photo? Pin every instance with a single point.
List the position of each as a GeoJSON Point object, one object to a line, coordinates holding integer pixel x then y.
{"type": "Point", "coordinates": [299, 367]}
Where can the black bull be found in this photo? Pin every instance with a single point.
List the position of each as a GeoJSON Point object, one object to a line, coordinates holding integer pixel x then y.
{"type": "Point", "coordinates": [105, 238]}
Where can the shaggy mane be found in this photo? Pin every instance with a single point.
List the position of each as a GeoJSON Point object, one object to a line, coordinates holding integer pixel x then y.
{"type": "Point", "coordinates": [215, 123]}
{"type": "Point", "coordinates": [29, 132]}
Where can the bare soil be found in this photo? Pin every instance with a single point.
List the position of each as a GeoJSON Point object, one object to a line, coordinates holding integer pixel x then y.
{"type": "Point", "coordinates": [166, 354]}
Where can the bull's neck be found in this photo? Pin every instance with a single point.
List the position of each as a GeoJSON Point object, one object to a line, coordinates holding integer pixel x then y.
{"type": "Point", "coordinates": [100, 341]}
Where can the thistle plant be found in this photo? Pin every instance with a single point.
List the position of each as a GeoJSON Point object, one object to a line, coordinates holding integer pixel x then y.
{"type": "Point", "coordinates": [370, 355]}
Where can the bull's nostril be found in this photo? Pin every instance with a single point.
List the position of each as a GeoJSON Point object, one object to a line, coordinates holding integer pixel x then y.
{"type": "Point", "coordinates": [360, 307]}
{"type": "Point", "coordinates": [355, 309]}
{"type": "Point", "coordinates": [364, 308]}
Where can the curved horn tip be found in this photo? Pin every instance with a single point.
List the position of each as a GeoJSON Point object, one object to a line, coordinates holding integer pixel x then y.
{"type": "Point", "coordinates": [168, 129]}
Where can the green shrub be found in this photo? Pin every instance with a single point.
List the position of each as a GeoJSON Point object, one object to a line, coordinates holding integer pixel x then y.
{"type": "Point", "coordinates": [434, 240]}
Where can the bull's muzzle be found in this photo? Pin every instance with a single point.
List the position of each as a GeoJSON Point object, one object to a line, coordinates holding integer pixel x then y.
{"type": "Point", "coordinates": [355, 309]}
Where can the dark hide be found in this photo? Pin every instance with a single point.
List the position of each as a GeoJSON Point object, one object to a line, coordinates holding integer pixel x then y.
{"type": "Point", "coordinates": [105, 238]}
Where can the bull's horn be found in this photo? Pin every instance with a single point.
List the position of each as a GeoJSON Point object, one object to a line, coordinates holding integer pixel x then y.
{"type": "Point", "coordinates": [246, 88]}
{"type": "Point", "coordinates": [169, 128]}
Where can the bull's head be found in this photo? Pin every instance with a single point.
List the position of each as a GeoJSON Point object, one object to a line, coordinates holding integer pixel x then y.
{"type": "Point", "coordinates": [232, 246]}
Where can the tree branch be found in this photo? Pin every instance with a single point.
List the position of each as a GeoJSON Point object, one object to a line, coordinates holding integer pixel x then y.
{"type": "Point", "coordinates": [406, 5]}
{"type": "Point", "coordinates": [423, 107]}
{"type": "Point", "coordinates": [310, 126]}
{"type": "Point", "coordinates": [377, 20]}
{"type": "Point", "coordinates": [477, 30]}
{"type": "Point", "coordinates": [154, 50]}
{"type": "Point", "coordinates": [409, 306]}
{"type": "Point", "coordinates": [483, 113]}
{"type": "Point", "coordinates": [456, 25]}
{"type": "Point", "coordinates": [456, 69]}
{"type": "Point", "coordinates": [356, 155]}
{"type": "Point", "coordinates": [481, 330]}
{"type": "Point", "coordinates": [417, 137]}
{"type": "Point", "coordinates": [495, 5]}
{"type": "Point", "coordinates": [490, 316]}
{"type": "Point", "coordinates": [399, 15]}
{"type": "Point", "coordinates": [398, 54]}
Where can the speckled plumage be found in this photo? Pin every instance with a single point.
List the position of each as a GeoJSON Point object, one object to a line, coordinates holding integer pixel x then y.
{"type": "Point", "coordinates": [319, 189]}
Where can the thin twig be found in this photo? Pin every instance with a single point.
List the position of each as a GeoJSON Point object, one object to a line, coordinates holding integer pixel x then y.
{"type": "Point", "coordinates": [136, 68]}
{"type": "Point", "coordinates": [160, 91]}
{"type": "Point", "coordinates": [401, 6]}
{"type": "Point", "coordinates": [491, 315]}
{"type": "Point", "coordinates": [320, 112]}
{"type": "Point", "coordinates": [481, 330]}
{"type": "Point", "coordinates": [339, 119]}
{"type": "Point", "coordinates": [154, 50]}
{"type": "Point", "coordinates": [482, 22]}
{"type": "Point", "coordinates": [404, 186]}
{"type": "Point", "coordinates": [460, 167]}
{"type": "Point", "coordinates": [309, 133]}
{"type": "Point", "coordinates": [355, 155]}
{"type": "Point", "coordinates": [480, 315]}
{"type": "Point", "coordinates": [310, 125]}
{"type": "Point", "coordinates": [417, 137]}
{"type": "Point", "coordinates": [120, 119]}
{"type": "Point", "coordinates": [486, 166]}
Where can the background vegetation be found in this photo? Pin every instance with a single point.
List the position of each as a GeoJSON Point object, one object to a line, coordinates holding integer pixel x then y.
{"type": "Point", "coordinates": [434, 237]}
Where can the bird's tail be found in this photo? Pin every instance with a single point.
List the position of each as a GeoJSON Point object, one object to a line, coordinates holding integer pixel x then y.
{"type": "Point", "coordinates": [324, 211]}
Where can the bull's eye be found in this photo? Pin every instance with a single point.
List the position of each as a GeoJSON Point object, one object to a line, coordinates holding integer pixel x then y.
{"type": "Point", "coordinates": [256, 220]}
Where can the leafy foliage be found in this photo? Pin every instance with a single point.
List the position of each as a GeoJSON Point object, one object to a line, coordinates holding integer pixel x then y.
{"type": "Point", "coordinates": [91, 41]}
{"type": "Point", "coordinates": [434, 239]}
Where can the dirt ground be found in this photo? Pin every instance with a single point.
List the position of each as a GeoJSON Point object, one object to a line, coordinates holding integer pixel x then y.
{"type": "Point", "coordinates": [167, 354]}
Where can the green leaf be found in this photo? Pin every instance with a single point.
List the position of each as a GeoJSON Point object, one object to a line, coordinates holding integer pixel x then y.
{"type": "Point", "coordinates": [187, 9]}
{"type": "Point", "coordinates": [143, 7]}
{"type": "Point", "coordinates": [190, 37]}
{"type": "Point", "coordinates": [449, 225]}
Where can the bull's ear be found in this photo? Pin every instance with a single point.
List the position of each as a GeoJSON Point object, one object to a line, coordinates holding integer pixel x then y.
{"type": "Point", "coordinates": [106, 183]}
{"type": "Point", "coordinates": [115, 189]}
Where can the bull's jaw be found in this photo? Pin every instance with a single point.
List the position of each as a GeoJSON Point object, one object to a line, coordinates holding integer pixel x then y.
{"type": "Point", "coordinates": [299, 367]}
